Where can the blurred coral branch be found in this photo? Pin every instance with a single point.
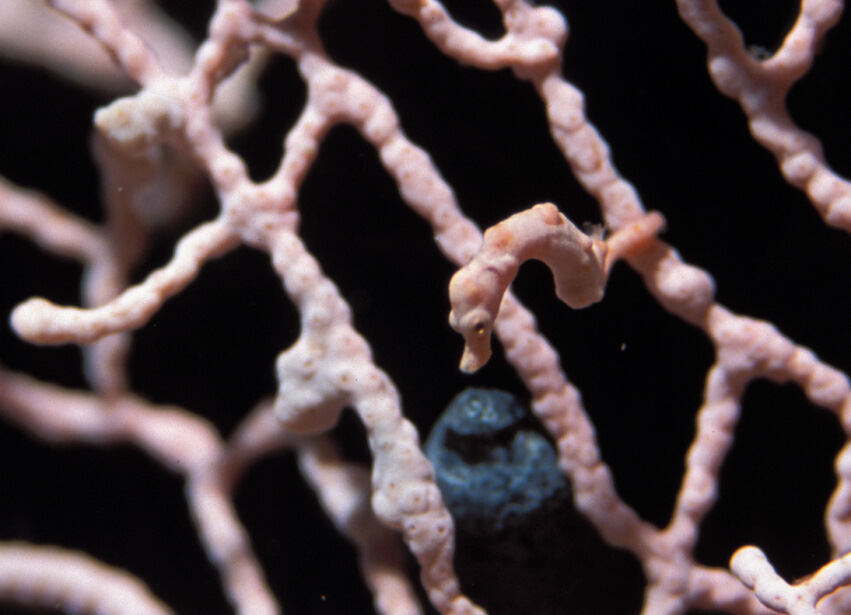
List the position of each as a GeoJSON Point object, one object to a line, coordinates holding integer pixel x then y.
{"type": "Point", "coordinates": [165, 137]}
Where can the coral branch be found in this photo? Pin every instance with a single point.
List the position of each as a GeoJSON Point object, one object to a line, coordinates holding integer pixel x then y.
{"type": "Point", "coordinates": [40, 321]}
{"type": "Point", "coordinates": [102, 20]}
{"type": "Point", "coordinates": [761, 90]}
{"type": "Point", "coordinates": [523, 46]}
{"type": "Point", "coordinates": [47, 578]}
{"type": "Point", "coordinates": [330, 367]}
{"type": "Point", "coordinates": [37, 217]}
{"type": "Point", "coordinates": [158, 147]}
{"type": "Point", "coordinates": [343, 489]}
{"type": "Point", "coordinates": [228, 546]}
{"type": "Point", "coordinates": [752, 567]}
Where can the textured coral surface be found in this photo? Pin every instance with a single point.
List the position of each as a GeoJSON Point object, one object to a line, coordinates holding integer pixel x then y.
{"type": "Point", "coordinates": [211, 349]}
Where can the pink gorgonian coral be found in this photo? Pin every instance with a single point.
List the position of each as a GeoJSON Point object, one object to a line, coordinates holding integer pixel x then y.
{"type": "Point", "coordinates": [228, 237]}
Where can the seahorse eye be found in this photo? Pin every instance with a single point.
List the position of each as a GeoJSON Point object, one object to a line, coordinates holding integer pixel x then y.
{"type": "Point", "coordinates": [479, 328]}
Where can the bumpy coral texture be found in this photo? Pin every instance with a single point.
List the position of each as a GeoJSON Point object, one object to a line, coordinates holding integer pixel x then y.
{"type": "Point", "coordinates": [231, 352]}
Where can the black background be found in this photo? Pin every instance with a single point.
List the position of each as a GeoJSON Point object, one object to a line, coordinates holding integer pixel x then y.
{"type": "Point", "coordinates": [211, 349]}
